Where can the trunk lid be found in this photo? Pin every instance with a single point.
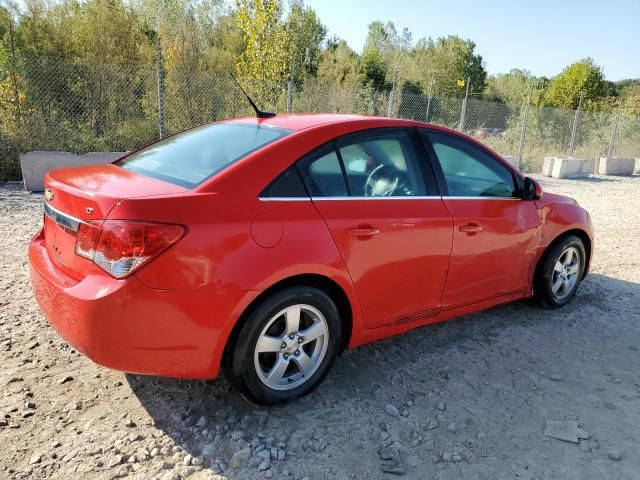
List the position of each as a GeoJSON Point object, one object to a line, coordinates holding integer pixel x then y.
{"type": "Point", "coordinates": [86, 194]}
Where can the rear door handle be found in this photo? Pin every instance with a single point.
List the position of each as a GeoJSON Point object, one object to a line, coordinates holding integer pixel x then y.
{"type": "Point", "coordinates": [363, 232]}
{"type": "Point", "coordinates": [471, 227]}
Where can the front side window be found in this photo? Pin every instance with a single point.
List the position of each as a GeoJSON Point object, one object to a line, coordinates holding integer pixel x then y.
{"type": "Point", "coordinates": [381, 164]}
{"type": "Point", "coordinates": [468, 170]}
{"type": "Point", "coordinates": [191, 157]}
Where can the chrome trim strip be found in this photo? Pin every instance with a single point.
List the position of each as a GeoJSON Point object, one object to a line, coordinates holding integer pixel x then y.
{"type": "Point", "coordinates": [480, 198]}
{"type": "Point", "coordinates": [408, 197]}
{"type": "Point", "coordinates": [62, 219]}
{"type": "Point", "coordinates": [284, 199]}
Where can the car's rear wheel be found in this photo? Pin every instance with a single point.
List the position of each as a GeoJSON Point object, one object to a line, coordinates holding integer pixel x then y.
{"type": "Point", "coordinates": [560, 274]}
{"type": "Point", "coordinates": [286, 346]}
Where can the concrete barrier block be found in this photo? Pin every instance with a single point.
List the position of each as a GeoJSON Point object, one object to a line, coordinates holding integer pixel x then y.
{"type": "Point", "coordinates": [616, 166]}
{"type": "Point", "coordinates": [35, 165]}
{"type": "Point", "coordinates": [547, 166]}
{"type": "Point", "coordinates": [569, 167]}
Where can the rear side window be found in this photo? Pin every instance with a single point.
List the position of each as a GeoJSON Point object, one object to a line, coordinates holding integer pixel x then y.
{"type": "Point", "coordinates": [189, 158]}
{"type": "Point", "coordinates": [286, 185]}
{"type": "Point", "coordinates": [323, 174]}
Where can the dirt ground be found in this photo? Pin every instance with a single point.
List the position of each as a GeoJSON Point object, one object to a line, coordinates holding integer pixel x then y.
{"type": "Point", "coordinates": [468, 399]}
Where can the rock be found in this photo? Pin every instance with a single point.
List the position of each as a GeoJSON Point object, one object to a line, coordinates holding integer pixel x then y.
{"type": "Point", "coordinates": [615, 455]}
{"type": "Point", "coordinates": [452, 427]}
{"type": "Point", "coordinates": [187, 459]}
{"type": "Point", "coordinates": [29, 405]}
{"type": "Point", "coordinates": [268, 474]}
{"type": "Point", "coordinates": [237, 435]}
{"type": "Point", "coordinates": [264, 465]}
{"type": "Point", "coordinates": [65, 379]}
{"type": "Point", "coordinates": [391, 410]}
{"type": "Point", "coordinates": [274, 453]}
{"type": "Point", "coordinates": [240, 457]}
{"type": "Point", "coordinates": [555, 377]}
{"type": "Point", "coordinates": [281, 454]}
{"type": "Point", "coordinates": [116, 460]}
{"type": "Point", "coordinates": [441, 406]}
{"type": "Point", "coordinates": [209, 450]}
{"type": "Point", "coordinates": [264, 454]}
{"type": "Point", "coordinates": [155, 452]}
{"type": "Point", "coordinates": [391, 462]}
{"type": "Point", "coordinates": [128, 423]}
{"type": "Point", "coordinates": [27, 413]}
{"type": "Point", "coordinates": [456, 457]}
{"type": "Point", "coordinates": [255, 461]}
{"type": "Point", "coordinates": [3, 422]}
{"type": "Point", "coordinates": [202, 422]}
{"type": "Point", "coordinates": [197, 460]}
{"type": "Point", "coordinates": [565, 430]}
{"type": "Point", "coordinates": [35, 459]}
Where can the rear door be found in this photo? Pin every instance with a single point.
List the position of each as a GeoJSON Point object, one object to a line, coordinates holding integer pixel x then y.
{"type": "Point", "coordinates": [495, 231]}
{"type": "Point", "coordinates": [387, 220]}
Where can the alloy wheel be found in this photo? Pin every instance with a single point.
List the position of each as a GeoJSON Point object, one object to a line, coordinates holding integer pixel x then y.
{"type": "Point", "coordinates": [291, 347]}
{"type": "Point", "coordinates": [565, 273]}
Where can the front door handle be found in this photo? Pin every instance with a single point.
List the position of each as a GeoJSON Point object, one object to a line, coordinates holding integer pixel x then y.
{"type": "Point", "coordinates": [363, 232]}
{"type": "Point", "coordinates": [471, 227]}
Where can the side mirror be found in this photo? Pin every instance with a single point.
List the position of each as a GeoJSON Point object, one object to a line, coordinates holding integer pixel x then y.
{"type": "Point", "coordinates": [531, 189]}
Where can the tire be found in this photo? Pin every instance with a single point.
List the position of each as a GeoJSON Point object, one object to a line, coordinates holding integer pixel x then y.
{"type": "Point", "coordinates": [560, 273]}
{"type": "Point", "coordinates": [272, 361]}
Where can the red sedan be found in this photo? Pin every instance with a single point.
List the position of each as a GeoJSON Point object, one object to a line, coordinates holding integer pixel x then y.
{"type": "Point", "coordinates": [263, 247]}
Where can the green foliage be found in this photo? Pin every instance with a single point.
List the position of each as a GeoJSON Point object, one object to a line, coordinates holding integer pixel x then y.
{"type": "Point", "coordinates": [451, 59]}
{"type": "Point", "coordinates": [582, 76]}
{"type": "Point", "coordinates": [266, 57]}
{"type": "Point", "coordinates": [81, 75]}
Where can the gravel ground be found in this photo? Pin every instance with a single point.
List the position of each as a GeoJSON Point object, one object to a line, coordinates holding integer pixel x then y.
{"type": "Point", "coordinates": [480, 397]}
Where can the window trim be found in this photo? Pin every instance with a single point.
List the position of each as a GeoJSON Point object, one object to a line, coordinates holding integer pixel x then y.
{"type": "Point", "coordinates": [440, 177]}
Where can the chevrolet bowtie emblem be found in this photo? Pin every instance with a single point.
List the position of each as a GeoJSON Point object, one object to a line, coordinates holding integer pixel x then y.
{"type": "Point", "coordinates": [48, 194]}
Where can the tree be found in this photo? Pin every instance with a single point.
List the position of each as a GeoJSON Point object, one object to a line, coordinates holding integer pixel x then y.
{"type": "Point", "coordinates": [266, 54]}
{"type": "Point", "coordinates": [582, 76]}
{"type": "Point", "coordinates": [451, 59]}
{"type": "Point", "coordinates": [338, 64]}
{"type": "Point", "coordinates": [305, 35]}
{"type": "Point", "coordinates": [385, 55]}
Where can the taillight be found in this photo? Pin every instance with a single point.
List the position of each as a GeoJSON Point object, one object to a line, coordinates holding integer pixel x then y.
{"type": "Point", "coordinates": [119, 247]}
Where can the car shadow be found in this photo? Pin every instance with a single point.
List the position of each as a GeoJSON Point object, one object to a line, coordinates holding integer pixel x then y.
{"type": "Point", "coordinates": [210, 419]}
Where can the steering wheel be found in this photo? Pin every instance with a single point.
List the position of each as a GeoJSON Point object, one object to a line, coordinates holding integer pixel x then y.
{"type": "Point", "coordinates": [384, 181]}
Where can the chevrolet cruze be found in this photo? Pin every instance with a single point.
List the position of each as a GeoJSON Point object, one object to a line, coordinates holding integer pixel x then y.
{"type": "Point", "coordinates": [262, 247]}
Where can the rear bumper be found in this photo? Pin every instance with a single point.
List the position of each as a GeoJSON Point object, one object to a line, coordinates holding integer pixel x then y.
{"type": "Point", "coordinates": [124, 325]}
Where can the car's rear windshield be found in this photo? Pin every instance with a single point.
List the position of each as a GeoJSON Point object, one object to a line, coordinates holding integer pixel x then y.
{"type": "Point", "coordinates": [189, 158]}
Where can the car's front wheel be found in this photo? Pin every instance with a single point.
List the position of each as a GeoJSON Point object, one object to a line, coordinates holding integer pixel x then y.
{"type": "Point", "coordinates": [286, 345]}
{"type": "Point", "coordinates": [560, 273]}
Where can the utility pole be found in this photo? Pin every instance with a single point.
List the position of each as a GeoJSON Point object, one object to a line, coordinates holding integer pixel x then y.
{"type": "Point", "coordinates": [13, 70]}
{"type": "Point", "coordinates": [430, 94]}
{"type": "Point", "coordinates": [574, 130]}
{"type": "Point", "coordinates": [523, 130]}
{"type": "Point", "coordinates": [160, 81]}
{"type": "Point", "coordinates": [463, 110]}
{"type": "Point", "coordinates": [612, 140]}
{"type": "Point", "coordinates": [393, 87]}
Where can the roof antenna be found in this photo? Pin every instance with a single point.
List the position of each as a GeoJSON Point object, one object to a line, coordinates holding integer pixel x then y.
{"type": "Point", "coordinates": [259, 113]}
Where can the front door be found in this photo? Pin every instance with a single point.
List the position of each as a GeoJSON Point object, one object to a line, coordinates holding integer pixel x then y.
{"type": "Point", "coordinates": [495, 231]}
{"type": "Point", "coordinates": [387, 220]}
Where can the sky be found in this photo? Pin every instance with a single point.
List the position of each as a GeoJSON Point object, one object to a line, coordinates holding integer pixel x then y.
{"type": "Point", "coordinates": [542, 36]}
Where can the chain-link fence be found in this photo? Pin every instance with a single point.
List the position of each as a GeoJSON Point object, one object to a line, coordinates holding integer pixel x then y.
{"type": "Point", "coordinates": [80, 106]}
